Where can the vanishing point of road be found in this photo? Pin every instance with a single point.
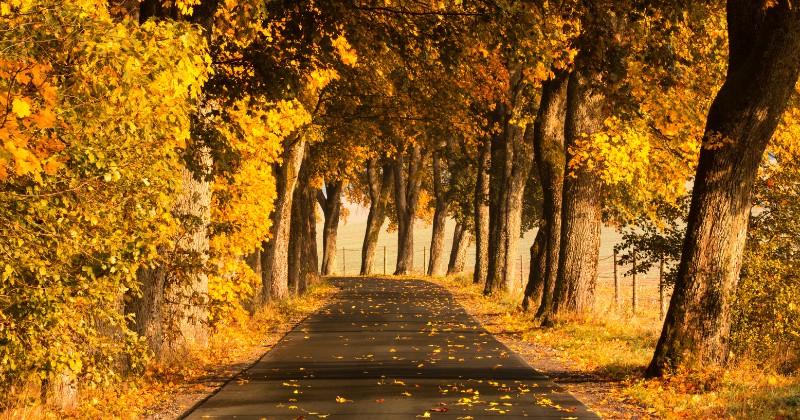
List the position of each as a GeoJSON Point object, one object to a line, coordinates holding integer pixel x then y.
{"type": "Point", "coordinates": [391, 349]}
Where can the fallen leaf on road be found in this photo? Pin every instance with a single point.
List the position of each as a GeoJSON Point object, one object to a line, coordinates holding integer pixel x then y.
{"type": "Point", "coordinates": [342, 400]}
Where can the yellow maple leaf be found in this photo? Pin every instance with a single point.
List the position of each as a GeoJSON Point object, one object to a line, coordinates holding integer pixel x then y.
{"type": "Point", "coordinates": [20, 108]}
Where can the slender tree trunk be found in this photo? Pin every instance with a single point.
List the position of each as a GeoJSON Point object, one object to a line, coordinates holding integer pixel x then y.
{"type": "Point", "coordinates": [254, 262]}
{"type": "Point", "coordinates": [407, 184]}
{"type": "Point", "coordinates": [548, 145]}
{"type": "Point", "coordinates": [482, 214]}
{"type": "Point", "coordinates": [581, 213]}
{"type": "Point", "coordinates": [379, 190]}
{"type": "Point", "coordinates": [310, 255]}
{"type": "Point", "coordinates": [331, 203]}
{"type": "Point", "coordinates": [538, 269]}
{"type": "Point", "coordinates": [275, 259]}
{"type": "Point", "coordinates": [762, 72]}
{"type": "Point", "coordinates": [458, 252]}
{"type": "Point", "coordinates": [436, 265]}
{"type": "Point", "coordinates": [298, 232]}
{"type": "Point", "coordinates": [512, 158]}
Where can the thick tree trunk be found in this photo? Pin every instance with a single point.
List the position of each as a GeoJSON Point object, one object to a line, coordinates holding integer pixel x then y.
{"type": "Point", "coordinates": [482, 214]}
{"type": "Point", "coordinates": [147, 308]}
{"type": "Point", "coordinates": [171, 313]}
{"type": "Point", "coordinates": [275, 259]}
{"type": "Point", "coordinates": [548, 145]}
{"type": "Point", "coordinates": [458, 253]}
{"type": "Point", "coordinates": [538, 269]}
{"type": "Point", "coordinates": [581, 213]}
{"type": "Point", "coordinates": [436, 265]}
{"type": "Point", "coordinates": [512, 158]}
{"type": "Point", "coordinates": [61, 392]}
{"type": "Point", "coordinates": [379, 190]}
{"type": "Point", "coordinates": [407, 184]}
{"type": "Point", "coordinates": [763, 69]}
{"type": "Point", "coordinates": [331, 203]}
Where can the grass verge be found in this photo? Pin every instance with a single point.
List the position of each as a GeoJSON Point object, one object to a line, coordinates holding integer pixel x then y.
{"type": "Point", "coordinates": [613, 346]}
{"type": "Point", "coordinates": [166, 390]}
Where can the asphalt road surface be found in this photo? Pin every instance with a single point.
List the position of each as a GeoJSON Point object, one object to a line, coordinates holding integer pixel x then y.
{"type": "Point", "coordinates": [391, 349]}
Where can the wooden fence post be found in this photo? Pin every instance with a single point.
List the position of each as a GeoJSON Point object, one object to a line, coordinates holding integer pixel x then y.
{"type": "Point", "coordinates": [616, 282]}
{"type": "Point", "coordinates": [635, 302]}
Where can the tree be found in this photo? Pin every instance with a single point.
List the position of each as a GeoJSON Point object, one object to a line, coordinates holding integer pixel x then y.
{"type": "Point", "coordinates": [379, 190]}
{"type": "Point", "coordinates": [764, 51]}
{"type": "Point", "coordinates": [548, 145]}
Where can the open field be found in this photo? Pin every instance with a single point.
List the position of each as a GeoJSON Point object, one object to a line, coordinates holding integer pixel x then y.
{"type": "Point", "coordinates": [351, 237]}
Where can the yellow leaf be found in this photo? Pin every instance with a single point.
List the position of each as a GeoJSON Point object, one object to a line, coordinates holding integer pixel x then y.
{"type": "Point", "coordinates": [21, 108]}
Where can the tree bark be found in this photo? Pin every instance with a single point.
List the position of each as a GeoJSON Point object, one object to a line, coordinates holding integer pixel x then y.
{"type": "Point", "coordinates": [298, 232]}
{"type": "Point", "coordinates": [147, 308]}
{"type": "Point", "coordinates": [458, 253]}
{"type": "Point", "coordinates": [275, 259]}
{"type": "Point", "coordinates": [171, 311]}
{"type": "Point", "coordinates": [512, 158]}
{"type": "Point", "coordinates": [764, 61]}
{"type": "Point", "coordinates": [548, 146]}
{"type": "Point", "coordinates": [379, 190]}
{"type": "Point", "coordinates": [310, 256]}
{"type": "Point", "coordinates": [331, 203]}
{"type": "Point", "coordinates": [482, 214]}
{"type": "Point", "coordinates": [407, 185]}
{"type": "Point", "coordinates": [538, 269]}
{"type": "Point", "coordinates": [581, 213]}
{"type": "Point", "coordinates": [436, 265]}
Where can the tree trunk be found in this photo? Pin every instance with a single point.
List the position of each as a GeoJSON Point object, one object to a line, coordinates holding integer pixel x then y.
{"type": "Point", "coordinates": [458, 253]}
{"type": "Point", "coordinates": [407, 184]}
{"type": "Point", "coordinates": [312, 256]}
{"type": "Point", "coordinates": [538, 269]}
{"type": "Point", "coordinates": [171, 312]}
{"type": "Point", "coordinates": [548, 146]}
{"type": "Point", "coordinates": [581, 213]}
{"type": "Point", "coordinates": [436, 265]}
{"type": "Point", "coordinates": [147, 308]}
{"type": "Point", "coordinates": [482, 214]}
{"type": "Point", "coordinates": [254, 262]}
{"type": "Point", "coordinates": [275, 259]}
{"type": "Point", "coordinates": [331, 203]}
{"type": "Point", "coordinates": [512, 158]}
{"type": "Point", "coordinates": [379, 190]}
{"type": "Point", "coordinates": [298, 232]}
{"type": "Point", "coordinates": [61, 392]}
{"type": "Point", "coordinates": [762, 73]}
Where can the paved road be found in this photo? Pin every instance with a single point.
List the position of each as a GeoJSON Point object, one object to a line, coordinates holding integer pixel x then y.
{"type": "Point", "coordinates": [391, 349]}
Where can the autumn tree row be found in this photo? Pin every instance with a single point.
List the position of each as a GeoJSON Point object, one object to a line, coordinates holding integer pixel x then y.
{"type": "Point", "coordinates": [163, 162]}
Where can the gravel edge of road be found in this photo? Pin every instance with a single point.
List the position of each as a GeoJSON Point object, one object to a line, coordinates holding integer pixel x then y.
{"type": "Point", "coordinates": [194, 393]}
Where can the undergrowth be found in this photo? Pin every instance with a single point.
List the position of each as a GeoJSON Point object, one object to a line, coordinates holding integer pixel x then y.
{"type": "Point", "coordinates": [230, 346]}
